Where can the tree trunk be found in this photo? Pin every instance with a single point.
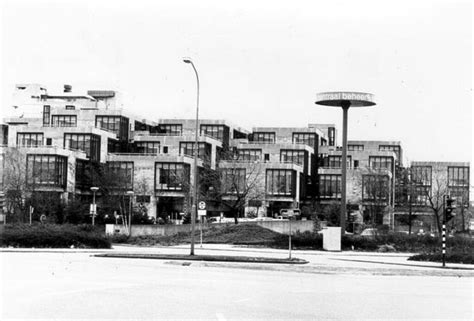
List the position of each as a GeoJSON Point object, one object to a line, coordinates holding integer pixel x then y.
{"type": "Point", "coordinates": [409, 217]}
{"type": "Point", "coordinates": [236, 216]}
{"type": "Point", "coordinates": [438, 222]}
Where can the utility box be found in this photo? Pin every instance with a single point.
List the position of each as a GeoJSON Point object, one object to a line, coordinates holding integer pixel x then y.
{"type": "Point", "coordinates": [109, 229]}
{"type": "Point", "coordinates": [332, 239]}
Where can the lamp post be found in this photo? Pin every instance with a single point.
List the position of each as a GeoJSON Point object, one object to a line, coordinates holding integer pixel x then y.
{"type": "Point", "coordinates": [344, 100]}
{"type": "Point", "coordinates": [130, 194]}
{"type": "Point", "coordinates": [94, 189]}
{"type": "Point", "coordinates": [196, 151]}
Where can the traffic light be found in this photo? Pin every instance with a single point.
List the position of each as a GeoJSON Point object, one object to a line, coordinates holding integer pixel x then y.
{"type": "Point", "coordinates": [449, 209]}
{"type": "Point", "coordinates": [2, 202]}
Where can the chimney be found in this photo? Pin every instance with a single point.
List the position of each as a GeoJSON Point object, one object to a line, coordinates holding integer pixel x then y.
{"type": "Point", "coordinates": [67, 88]}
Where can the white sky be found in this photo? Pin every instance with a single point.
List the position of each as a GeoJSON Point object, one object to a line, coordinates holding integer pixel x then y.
{"type": "Point", "coordinates": [260, 63]}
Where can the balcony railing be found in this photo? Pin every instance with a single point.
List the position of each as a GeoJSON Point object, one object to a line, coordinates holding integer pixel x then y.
{"type": "Point", "coordinates": [135, 154]}
{"type": "Point", "coordinates": [52, 146]}
{"type": "Point", "coordinates": [146, 133]}
{"type": "Point", "coordinates": [261, 142]}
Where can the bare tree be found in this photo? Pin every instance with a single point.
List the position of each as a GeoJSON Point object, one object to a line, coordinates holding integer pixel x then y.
{"type": "Point", "coordinates": [431, 190]}
{"type": "Point", "coordinates": [436, 200]}
{"type": "Point", "coordinates": [15, 184]}
{"type": "Point", "coordinates": [376, 191]}
{"type": "Point", "coordinates": [113, 183]}
{"type": "Point", "coordinates": [23, 185]}
{"type": "Point", "coordinates": [239, 182]}
{"type": "Point", "coordinates": [176, 178]}
{"type": "Point", "coordinates": [406, 195]}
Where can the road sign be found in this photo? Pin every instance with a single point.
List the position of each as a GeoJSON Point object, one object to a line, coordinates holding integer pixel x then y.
{"type": "Point", "coordinates": [202, 212]}
{"type": "Point", "coordinates": [202, 205]}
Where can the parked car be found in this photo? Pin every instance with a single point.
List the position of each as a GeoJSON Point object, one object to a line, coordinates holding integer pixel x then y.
{"type": "Point", "coordinates": [369, 232]}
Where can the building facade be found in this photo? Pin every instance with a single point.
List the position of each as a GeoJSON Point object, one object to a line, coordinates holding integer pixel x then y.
{"type": "Point", "coordinates": [65, 143]}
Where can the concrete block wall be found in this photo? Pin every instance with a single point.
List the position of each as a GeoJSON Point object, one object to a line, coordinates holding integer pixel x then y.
{"type": "Point", "coordinates": [167, 230]}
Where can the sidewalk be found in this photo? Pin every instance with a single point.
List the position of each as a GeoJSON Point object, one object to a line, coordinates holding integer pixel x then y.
{"type": "Point", "coordinates": [347, 262]}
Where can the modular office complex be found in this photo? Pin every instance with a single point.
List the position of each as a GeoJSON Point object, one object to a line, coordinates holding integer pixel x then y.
{"type": "Point", "coordinates": [63, 136]}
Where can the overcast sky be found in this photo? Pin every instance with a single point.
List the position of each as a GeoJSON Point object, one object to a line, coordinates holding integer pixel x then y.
{"type": "Point", "coordinates": [260, 63]}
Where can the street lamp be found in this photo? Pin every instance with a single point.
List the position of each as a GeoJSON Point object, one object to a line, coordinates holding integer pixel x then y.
{"type": "Point", "coordinates": [94, 189]}
{"type": "Point", "coordinates": [130, 194]}
{"type": "Point", "coordinates": [196, 151]}
{"type": "Point", "coordinates": [344, 100]}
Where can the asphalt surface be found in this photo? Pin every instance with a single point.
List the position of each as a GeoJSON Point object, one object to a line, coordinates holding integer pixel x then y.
{"type": "Point", "coordinates": [319, 261]}
{"type": "Point", "coordinates": [64, 284]}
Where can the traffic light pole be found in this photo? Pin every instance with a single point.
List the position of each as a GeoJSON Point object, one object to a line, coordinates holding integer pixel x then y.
{"type": "Point", "coordinates": [444, 231]}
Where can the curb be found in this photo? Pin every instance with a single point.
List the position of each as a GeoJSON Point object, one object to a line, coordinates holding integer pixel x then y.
{"type": "Point", "coordinates": [210, 258]}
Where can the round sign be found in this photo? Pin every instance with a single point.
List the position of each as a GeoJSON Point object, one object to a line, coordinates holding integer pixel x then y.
{"type": "Point", "coordinates": [202, 205]}
{"type": "Point", "coordinates": [339, 98]}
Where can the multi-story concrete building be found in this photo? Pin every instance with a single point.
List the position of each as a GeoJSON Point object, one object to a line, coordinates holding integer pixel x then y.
{"type": "Point", "coordinates": [288, 164]}
{"type": "Point", "coordinates": [68, 140]}
{"type": "Point", "coordinates": [371, 177]}
{"type": "Point", "coordinates": [424, 189]}
{"type": "Point", "coordinates": [62, 135]}
{"type": "Point", "coordinates": [65, 137]}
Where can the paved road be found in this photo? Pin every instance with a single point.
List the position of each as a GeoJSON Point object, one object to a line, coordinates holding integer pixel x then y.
{"type": "Point", "coordinates": [77, 285]}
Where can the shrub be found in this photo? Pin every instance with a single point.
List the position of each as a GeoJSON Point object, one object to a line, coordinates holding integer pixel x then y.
{"type": "Point", "coordinates": [455, 257]}
{"type": "Point", "coordinates": [118, 238]}
{"type": "Point", "coordinates": [308, 240]}
{"type": "Point", "coordinates": [53, 236]}
{"type": "Point", "coordinates": [360, 243]}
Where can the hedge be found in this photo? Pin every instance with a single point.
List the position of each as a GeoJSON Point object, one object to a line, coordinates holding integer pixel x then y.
{"type": "Point", "coordinates": [53, 236]}
{"type": "Point", "coordinates": [400, 242]}
{"type": "Point", "coordinates": [454, 257]}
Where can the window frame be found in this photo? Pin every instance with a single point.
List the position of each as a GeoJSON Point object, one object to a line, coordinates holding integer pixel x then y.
{"type": "Point", "coordinates": [305, 139]}
{"type": "Point", "coordinates": [264, 137]}
{"type": "Point", "coordinates": [62, 121]}
{"type": "Point", "coordinates": [119, 168]}
{"type": "Point", "coordinates": [163, 182]}
{"type": "Point", "coordinates": [21, 136]}
{"type": "Point", "coordinates": [46, 170]}
{"type": "Point", "coordinates": [330, 186]}
{"type": "Point", "coordinates": [355, 147]}
{"type": "Point", "coordinates": [275, 179]}
{"type": "Point", "coordinates": [249, 154]}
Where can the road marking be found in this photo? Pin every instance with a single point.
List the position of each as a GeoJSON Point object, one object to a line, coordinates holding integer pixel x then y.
{"type": "Point", "coordinates": [242, 300]}
{"type": "Point", "coordinates": [220, 317]}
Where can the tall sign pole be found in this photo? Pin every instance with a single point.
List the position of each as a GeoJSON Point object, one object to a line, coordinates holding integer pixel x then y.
{"type": "Point", "coordinates": [345, 100]}
{"type": "Point", "coordinates": [345, 108]}
{"type": "Point", "coordinates": [196, 151]}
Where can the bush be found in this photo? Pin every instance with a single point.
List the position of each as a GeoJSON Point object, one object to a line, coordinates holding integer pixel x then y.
{"type": "Point", "coordinates": [119, 238]}
{"type": "Point", "coordinates": [458, 250]}
{"type": "Point", "coordinates": [359, 243]}
{"type": "Point", "coordinates": [307, 240]}
{"type": "Point", "coordinates": [53, 236]}
{"type": "Point", "coordinates": [456, 257]}
{"type": "Point", "coordinates": [390, 241]}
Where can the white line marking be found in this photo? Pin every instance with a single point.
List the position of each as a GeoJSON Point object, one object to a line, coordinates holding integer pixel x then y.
{"type": "Point", "coordinates": [220, 317]}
